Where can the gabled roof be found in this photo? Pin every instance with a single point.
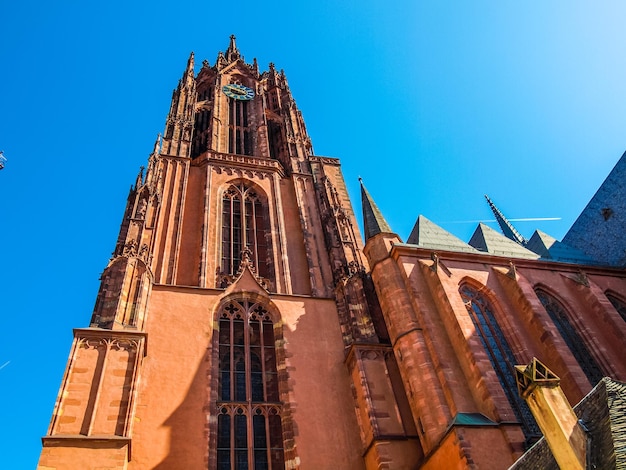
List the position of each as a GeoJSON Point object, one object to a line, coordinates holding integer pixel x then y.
{"type": "Point", "coordinates": [549, 247]}
{"type": "Point", "coordinates": [488, 240]}
{"type": "Point", "coordinates": [603, 413]}
{"type": "Point", "coordinates": [427, 234]}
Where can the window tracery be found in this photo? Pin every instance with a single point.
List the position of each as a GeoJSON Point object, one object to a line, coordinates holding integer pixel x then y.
{"type": "Point", "coordinates": [560, 317]}
{"type": "Point", "coordinates": [500, 355]}
{"type": "Point", "coordinates": [249, 428]}
{"type": "Point", "coordinates": [239, 133]}
{"type": "Point", "coordinates": [244, 227]}
{"type": "Point", "coordinates": [618, 304]}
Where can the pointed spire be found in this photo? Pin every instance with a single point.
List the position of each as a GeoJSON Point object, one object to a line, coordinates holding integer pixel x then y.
{"type": "Point", "coordinates": [220, 62]}
{"type": "Point", "coordinates": [373, 220]}
{"type": "Point", "coordinates": [139, 180]}
{"type": "Point", "coordinates": [507, 228]}
{"type": "Point", "coordinates": [157, 145]}
{"type": "Point", "coordinates": [232, 53]}
{"type": "Point", "coordinates": [190, 65]}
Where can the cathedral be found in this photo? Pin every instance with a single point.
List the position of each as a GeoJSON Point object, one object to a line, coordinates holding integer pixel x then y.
{"type": "Point", "coordinates": [244, 322]}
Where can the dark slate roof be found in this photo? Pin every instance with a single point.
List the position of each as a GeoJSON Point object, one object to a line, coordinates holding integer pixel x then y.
{"type": "Point", "coordinates": [427, 234]}
{"type": "Point", "coordinates": [373, 220]}
{"type": "Point", "coordinates": [603, 413]}
{"type": "Point", "coordinates": [488, 240]}
{"type": "Point", "coordinates": [550, 248]}
{"type": "Point", "coordinates": [599, 230]}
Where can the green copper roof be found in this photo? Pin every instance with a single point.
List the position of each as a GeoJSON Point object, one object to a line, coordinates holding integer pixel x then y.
{"type": "Point", "coordinates": [550, 248]}
{"type": "Point", "coordinates": [488, 240]}
{"type": "Point", "coordinates": [472, 419]}
{"type": "Point", "coordinates": [373, 220]}
{"type": "Point", "coordinates": [427, 234]}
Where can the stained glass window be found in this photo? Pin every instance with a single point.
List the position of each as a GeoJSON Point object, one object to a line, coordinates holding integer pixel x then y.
{"type": "Point", "coordinates": [249, 434]}
{"type": "Point", "coordinates": [500, 355]}
{"type": "Point", "coordinates": [244, 226]}
{"type": "Point", "coordinates": [618, 303]}
{"type": "Point", "coordinates": [577, 346]}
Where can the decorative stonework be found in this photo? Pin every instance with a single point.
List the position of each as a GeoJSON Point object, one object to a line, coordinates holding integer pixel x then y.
{"type": "Point", "coordinates": [224, 280]}
{"type": "Point", "coordinates": [325, 160]}
{"type": "Point", "coordinates": [242, 163]}
{"type": "Point", "coordinates": [241, 172]}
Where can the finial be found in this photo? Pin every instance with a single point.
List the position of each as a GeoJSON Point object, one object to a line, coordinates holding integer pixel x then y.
{"type": "Point", "coordinates": [139, 180]}
{"type": "Point", "coordinates": [232, 53]}
{"type": "Point", "coordinates": [220, 62]}
{"type": "Point", "coordinates": [190, 62]}
{"type": "Point", "coordinates": [157, 144]}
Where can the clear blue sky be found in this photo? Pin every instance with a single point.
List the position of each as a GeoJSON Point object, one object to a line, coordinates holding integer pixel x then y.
{"type": "Point", "coordinates": [433, 103]}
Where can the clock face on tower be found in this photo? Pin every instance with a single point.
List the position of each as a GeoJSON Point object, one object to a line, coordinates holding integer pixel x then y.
{"type": "Point", "coordinates": [238, 92]}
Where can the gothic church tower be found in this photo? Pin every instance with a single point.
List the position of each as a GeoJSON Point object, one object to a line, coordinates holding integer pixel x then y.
{"type": "Point", "coordinates": [236, 325]}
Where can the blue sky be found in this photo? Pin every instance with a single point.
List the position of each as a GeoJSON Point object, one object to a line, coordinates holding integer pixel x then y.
{"type": "Point", "coordinates": [432, 103]}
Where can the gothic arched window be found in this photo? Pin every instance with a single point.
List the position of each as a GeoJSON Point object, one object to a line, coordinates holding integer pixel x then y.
{"type": "Point", "coordinates": [244, 226]}
{"type": "Point", "coordinates": [249, 428]}
{"type": "Point", "coordinates": [239, 133]}
{"type": "Point", "coordinates": [559, 316]}
{"type": "Point", "coordinates": [618, 303]}
{"type": "Point", "coordinates": [500, 355]}
{"type": "Point", "coordinates": [202, 125]}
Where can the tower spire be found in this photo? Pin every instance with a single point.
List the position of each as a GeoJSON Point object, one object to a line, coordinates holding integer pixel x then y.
{"type": "Point", "coordinates": [373, 220]}
{"type": "Point", "coordinates": [507, 228]}
{"type": "Point", "coordinates": [190, 63]}
{"type": "Point", "coordinates": [232, 53]}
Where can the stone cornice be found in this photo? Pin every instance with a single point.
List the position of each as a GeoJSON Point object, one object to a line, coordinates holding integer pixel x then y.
{"type": "Point", "coordinates": [113, 335]}
{"type": "Point", "coordinates": [325, 160]}
{"type": "Point", "coordinates": [242, 162]}
{"type": "Point", "coordinates": [406, 249]}
{"type": "Point", "coordinates": [75, 440]}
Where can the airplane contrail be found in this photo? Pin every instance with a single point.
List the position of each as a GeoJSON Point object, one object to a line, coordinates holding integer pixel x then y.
{"type": "Point", "coordinates": [4, 365]}
{"type": "Point", "coordinates": [526, 219]}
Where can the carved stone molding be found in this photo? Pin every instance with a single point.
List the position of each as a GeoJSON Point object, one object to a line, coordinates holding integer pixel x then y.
{"type": "Point", "coordinates": [325, 160]}
{"type": "Point", "coordinates": [241, 172]}
{"type": "Point", "coordinates": [367, 352]}
{"type": "Point", "coordinates": [116, 339]}
{"type": "Point", "coordinates": [241, 162]}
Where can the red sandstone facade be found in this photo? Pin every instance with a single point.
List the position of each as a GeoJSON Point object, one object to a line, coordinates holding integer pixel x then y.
{"type": "Point", "coordinates": [369, 357]}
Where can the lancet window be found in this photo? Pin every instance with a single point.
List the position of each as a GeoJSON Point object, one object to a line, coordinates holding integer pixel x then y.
{"type": "Point", "coordinates": [202, 124]}
{"type": "Point", "coordinates": [618, 303]}
{"type": "Point", "coordinates": [239, 133]}
{"type": "Point", "coordinates": [249, 427]}
{"type": "Point", "coordinates": [244, 227]}
{"type": "Point", "coordinates": [500, 354]}
{"type": "Point", "coordinates": [559, 316]}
